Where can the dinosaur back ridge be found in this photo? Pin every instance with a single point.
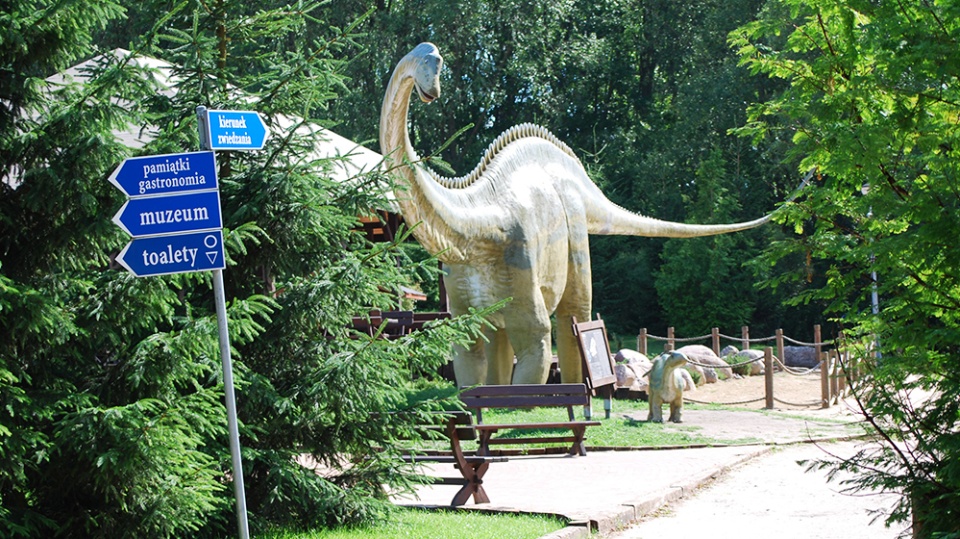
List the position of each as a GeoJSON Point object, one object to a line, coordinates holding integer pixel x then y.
{"type": "Point", "coordinates": [513, 134]}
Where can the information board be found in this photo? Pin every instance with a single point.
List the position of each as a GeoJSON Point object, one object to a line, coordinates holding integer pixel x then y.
{"type": "Point", "coordinates": [595, 354]}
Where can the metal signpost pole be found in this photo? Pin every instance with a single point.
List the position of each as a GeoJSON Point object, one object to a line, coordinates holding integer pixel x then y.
{"type": "Point", "coordinates": [220, 300]}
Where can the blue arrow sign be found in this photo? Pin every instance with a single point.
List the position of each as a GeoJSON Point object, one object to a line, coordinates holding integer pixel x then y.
{"type": "Point", "coordinates": [180, 253]}
{"type": "Point", "coordinates": [236, 130]}
{"type": "Point", "coordinates": [167, 173]}
{"type": "Point", "coordinates": [186, 212]}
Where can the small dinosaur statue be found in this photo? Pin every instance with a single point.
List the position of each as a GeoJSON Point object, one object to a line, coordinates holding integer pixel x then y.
{"type": "Point", "coordinates": [666, 386]}
{"type": "Point", "coordinates": [517, 227]}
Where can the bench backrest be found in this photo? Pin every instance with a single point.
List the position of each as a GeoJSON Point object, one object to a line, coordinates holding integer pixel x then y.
{"type": "Point", "coordinates": [526, 396]}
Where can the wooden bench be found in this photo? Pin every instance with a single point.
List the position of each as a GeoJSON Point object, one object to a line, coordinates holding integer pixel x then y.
{"type": "Point", "coordinates": [529, 396]}
{"type": "Point", "coordinates": [458, 426]}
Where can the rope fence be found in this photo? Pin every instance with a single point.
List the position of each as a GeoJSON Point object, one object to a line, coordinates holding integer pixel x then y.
{"type": "Point", "coordinates": [838, 369]}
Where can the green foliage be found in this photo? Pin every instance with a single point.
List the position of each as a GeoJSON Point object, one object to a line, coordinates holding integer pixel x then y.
{"type": "Point", "coordinates": [740, 365]}
{"type": "Point", "coordinates": [873, 102]}
{"type": "Point", "coordinates": [619, 431]}
{"type": "Point", "coordinates": [701, 284]}
{"type": "Point", "coordinates": [643, 92]}
{"type": "Point", "coordinates": [111, 414]}
{"type": "Point", "coordinates": [696, 376]}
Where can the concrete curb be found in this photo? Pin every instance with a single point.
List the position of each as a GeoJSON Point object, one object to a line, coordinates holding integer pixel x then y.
{"type": "Point", "coordinates": [573, 531]}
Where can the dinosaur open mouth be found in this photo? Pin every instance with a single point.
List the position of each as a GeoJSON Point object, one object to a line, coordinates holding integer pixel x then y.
{"type": "Point", "coordinates": [424, 96]}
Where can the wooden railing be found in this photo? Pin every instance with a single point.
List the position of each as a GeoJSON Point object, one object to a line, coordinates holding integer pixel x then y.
{"type": "Point", "coordinates": [838, 369]}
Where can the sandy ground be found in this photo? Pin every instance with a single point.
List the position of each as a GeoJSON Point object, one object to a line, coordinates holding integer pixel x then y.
{"type": "Point", "coordinates": [773, 495]}
{"type": "Point", "coordinates": [763, 493]}
{"type": "Point", "coordinates": [797, 415]}
{"type": "Point", "coordinates": [791, 392]}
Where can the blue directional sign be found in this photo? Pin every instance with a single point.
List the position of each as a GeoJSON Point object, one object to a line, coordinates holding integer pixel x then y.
{"type": "Point", "coordinates": [167, 173]}
{"type": "Point", "coordinates": [187, 212]}
{"type": "Point", "coordinates": [180, 253]}
{"type": "Point", "coordinates": [236, 130]}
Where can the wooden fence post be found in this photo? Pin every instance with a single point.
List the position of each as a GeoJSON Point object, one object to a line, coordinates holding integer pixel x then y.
{"type": "Point", "coordinates": [780, 353]}
{"type": "Point", "coordinates": [825, 380]}
{"type": "Point", "coordinates": [671, 343]}
{"type": "Point", "coordinates": [642, 341]}
{"type": "Point", "coordinates": [844, 373]}
{"type": "Point", "coordinates": [745, 338]}
{"type": "Point", "coordinates": [715, 337]}
{"type": "Point", "coordinates": [817, 345]}
{"type": "Point", "coordinates": [853, 368]}
{"type": "Point", "coordinates": [835, 377]}
{"type": "Point", "coordinates": [824, 368]}
{"type": "Point", "coordinates": [768, 376]}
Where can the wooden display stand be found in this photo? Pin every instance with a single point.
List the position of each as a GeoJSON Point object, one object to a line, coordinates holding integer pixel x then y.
{"type": "Point", "coordinates": [598, 366]}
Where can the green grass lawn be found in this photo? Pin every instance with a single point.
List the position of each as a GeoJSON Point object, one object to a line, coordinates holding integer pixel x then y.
{"type": "Point", "coordinates": [617, 431]}
{"type": "Point", "coordinates": [416, 524]}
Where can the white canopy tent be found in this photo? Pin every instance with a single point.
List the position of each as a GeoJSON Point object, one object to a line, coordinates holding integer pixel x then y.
{"type": "Point", "coordinates": [348, 158]}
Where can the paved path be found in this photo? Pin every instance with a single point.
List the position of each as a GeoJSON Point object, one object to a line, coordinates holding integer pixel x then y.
{"type": "Point", "coordinates": [742, 491]}
{"type": "Point", "coordinates": [770, 496]}
{"type": "Point", "coordinates": [606, 488]}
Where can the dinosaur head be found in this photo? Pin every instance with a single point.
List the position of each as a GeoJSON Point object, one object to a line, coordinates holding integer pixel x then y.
{"type": "Point", "coordinates": [675, 359]}
{"type": "Point", "coordinates": [426, 74]}
{"type": "Point", "coordinates": [664, 365]}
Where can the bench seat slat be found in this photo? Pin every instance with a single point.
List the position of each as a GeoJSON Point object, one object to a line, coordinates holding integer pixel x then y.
{"type": "Point", "coordinates": [447, 459]}
{"type": "Point", "coordinates": [533, 440]}
{"type": "Point", "coordinates": [555, 425]}
{"type": "Point", "coordinates": [450, 481]}
{"type": "Point", "coordinates": [527, 389]}
{"type": "Point", "coordinates": [523, 401]}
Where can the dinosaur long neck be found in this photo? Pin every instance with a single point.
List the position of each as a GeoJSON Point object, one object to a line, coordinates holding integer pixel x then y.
{"type": "Point", "coordinates": [423, 203]}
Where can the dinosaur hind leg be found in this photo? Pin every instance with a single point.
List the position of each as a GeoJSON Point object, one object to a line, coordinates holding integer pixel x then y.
{"type": "Point", "coordinates": [568, 353]}
{"type": "Point", "coordinates": [575, 303]}
{"type": "Point", "coordinates": [531, 341]}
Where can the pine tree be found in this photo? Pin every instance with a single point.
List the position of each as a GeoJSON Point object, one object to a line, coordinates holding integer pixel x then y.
{"type": "Point", "coordinates": [112, 422]}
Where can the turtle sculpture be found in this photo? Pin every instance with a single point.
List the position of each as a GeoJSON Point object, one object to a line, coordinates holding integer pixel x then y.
{"type": "Point", "coordinates": [515, 227]}
{"type": "Point", "coordinates": [666, 386]}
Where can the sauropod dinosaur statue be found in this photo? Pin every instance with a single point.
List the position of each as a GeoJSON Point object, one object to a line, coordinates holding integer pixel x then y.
{"type": "Point", "coordinates": [666, 386]}
{"type": "Point", "coordinates": [517, 227]}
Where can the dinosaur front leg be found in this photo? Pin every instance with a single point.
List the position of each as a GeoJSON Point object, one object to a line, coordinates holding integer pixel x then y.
{"type": "Point", "coordinates": [676, 401]}
{"type": "Point", "coordinates": [656, 406]}
{"type": "Point", "coordinates": [533, 367]}
{"type": "Point", "coordinates": [676, 407]}
{"type": "Point", "coordinates": [499, 354]}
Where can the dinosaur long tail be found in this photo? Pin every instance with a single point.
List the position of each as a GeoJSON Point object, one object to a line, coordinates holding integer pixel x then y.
{"type": "Point", "coordinates": [607, 218]}
{"type": "Point", "coordinates": [621, 222]}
